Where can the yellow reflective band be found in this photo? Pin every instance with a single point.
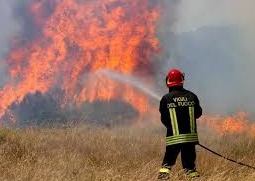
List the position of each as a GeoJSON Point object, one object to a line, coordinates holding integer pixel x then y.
{"type": "Point", "coordinates": [181, 141]}
{"type": "Point", "coordinates": [183, 138]}
{"type": "Point", "coordinates": [193, 174]}
{"type": "Point", "coordinates": [192, 119]}
{"type": "Point", "coordinates": [174, 121]}
{"type": "Point", "coordinates": [182, 135]}
{"type": "Point", "coordinates": [164, 170]}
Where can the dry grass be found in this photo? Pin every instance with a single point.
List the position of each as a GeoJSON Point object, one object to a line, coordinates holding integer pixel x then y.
{"type": "Point", "coordinates": [85, 153]}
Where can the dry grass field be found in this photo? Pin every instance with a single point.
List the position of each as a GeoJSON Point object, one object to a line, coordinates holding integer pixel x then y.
{"type": "Point", "coordinates": [88, 153]}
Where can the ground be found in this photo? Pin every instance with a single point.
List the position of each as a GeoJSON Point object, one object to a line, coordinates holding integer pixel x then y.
{"type": "Point", "coordinates": [126, 153]}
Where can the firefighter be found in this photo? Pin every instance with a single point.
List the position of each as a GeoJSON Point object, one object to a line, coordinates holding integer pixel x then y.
{"type": "Point", "coordinates": [179, 109]}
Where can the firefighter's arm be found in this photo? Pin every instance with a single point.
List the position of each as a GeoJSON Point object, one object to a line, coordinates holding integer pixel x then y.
{"type": "Point", "coordinates": [162, 110]}
{"type": "Point", "coordinates": [198, 109]}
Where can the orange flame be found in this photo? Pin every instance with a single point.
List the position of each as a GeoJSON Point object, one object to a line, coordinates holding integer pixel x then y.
{"type": "Point", "coordinates": [238, 123]}
{"type": "Point", "coordinates": [77, 39]}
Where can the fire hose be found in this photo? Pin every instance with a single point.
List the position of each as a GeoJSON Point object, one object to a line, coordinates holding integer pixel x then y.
{"type": "Point", "coordinates": [243, 164]}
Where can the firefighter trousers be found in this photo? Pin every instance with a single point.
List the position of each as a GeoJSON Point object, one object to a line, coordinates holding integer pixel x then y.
{"type": "Point", "coordinates": [188, 155]}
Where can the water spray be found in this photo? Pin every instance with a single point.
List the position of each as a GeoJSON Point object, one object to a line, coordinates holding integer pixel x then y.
{"type": "Point", "coordinates": [138, 84]}
{"type": "Point", "coordinates": [130, 80]}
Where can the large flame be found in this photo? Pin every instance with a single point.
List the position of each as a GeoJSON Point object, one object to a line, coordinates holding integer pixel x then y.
{"type": "Point", "coordinates": [72, 40]}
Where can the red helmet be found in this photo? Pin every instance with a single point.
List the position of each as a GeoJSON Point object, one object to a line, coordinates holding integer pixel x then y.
{"type": "Point", "coordinates": [174, 78]}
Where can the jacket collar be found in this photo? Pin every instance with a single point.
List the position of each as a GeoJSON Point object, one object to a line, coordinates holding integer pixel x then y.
{"type": "Point", "coordinates": [175, 88]}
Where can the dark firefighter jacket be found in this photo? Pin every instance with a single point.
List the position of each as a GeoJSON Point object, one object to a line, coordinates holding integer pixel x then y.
{"type": "Point", "coordinates": [179, 110]}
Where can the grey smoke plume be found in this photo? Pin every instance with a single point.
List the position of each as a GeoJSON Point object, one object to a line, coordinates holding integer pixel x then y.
{"type": "Point", "coordinates": [9, 27]}
{"type": "Point", "coordinates": [213, 44]}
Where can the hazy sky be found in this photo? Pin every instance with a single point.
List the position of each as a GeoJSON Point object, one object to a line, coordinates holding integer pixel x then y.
{"type": "Point", "coordinates": [197, 13]}
{"type": "Point", "coordinates": [230, 87]}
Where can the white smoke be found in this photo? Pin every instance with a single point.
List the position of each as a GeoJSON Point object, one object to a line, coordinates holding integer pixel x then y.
{"type": "Point", "coordinates": [197, 13]}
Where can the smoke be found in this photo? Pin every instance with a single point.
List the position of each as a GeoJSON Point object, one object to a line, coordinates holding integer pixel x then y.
{"type": "Point", "coordinates": [9, 27]}
{"type": "Point", "coordinates": [195, 14]}
{"type": "Point", "coordinates": [213, 44]}
{"type": "Point", "coordinates": [16, 23]}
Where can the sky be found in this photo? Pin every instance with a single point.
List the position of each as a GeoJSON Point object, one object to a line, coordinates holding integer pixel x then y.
{"type": "Point", "coordinates": [194, 14]}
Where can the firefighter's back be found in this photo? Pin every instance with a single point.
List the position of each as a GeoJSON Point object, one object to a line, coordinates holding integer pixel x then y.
{"type": "Point", "coordinates": [180, 108]}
